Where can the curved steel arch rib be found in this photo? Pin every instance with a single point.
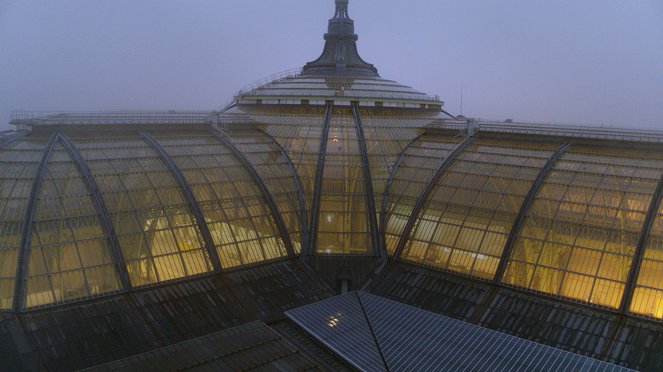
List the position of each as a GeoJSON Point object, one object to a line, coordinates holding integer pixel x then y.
{"type": "Point", "coordinates": [100, 205]}
{"type": "Point", "coordinates": [632, 278]}
{"type": "Point", "coordinates": [188, 193]}
{"type": "Point", "coordinates": [283, 231]}
{"type": "Point", "coordinates": [26, 236]}
{"type": "Point", "coordinates": [421, 201]}
{"type": "Point", "coordinates": [300, 191]}
{"type": "Point", "coordinates": [390, 182]}
{"type": "Point", "coordinates": [317, 190]}
{"type": "Point", "coordinates": [379, 248]}
{"type": "Point", "coordinates": [524, 207]}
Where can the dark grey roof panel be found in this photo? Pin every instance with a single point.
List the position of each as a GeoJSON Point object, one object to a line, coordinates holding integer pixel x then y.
{"type": "Point", "coordinates": [249, 346]}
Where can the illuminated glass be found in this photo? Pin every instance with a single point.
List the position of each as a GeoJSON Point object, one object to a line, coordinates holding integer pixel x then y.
{"type": "Point", "coordinates": [156, 230]}
{"type": "Point", "coordinates": [467, 219]}
{"type": "Point", "coordinates": [299, 134]}
{"type": "Point", "coordinates": [69, 257]}
{"type": "Point", "coordinates": [18, 166]}
{"type": "Point", "coordinates": [343, 219]}
{"type": "Point", "coordinates": [387, 134]}
{"type": "Point", "coordinates": [648, 294]}
{"type": "Point", "coordinates": [272, 166]}
{"type": "Point", "coordinates": [578, 239]}
{"type": "Point", "coordinates": [419, 165]}
{"type": "Point", "coordinates": [241, 224]}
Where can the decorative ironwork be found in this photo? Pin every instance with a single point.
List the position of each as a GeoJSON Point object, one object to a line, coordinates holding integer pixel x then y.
{"type": "Point", "coordinates": [263, 188]}
{"type": "Point", "coordinates": [319, 172]}
{"type": "Point", "coordinates": [300, 191]}
{"type": "Point", "coordinates": [188, 194]}
{"type": "Point", "coordinates": [379, 248]}
{"type": "Point", "coordinates": [100, 205]}
{"type": "Point", "coordinates": [26, 236]}
{"type": "Point", "coordinates": [525, 206]}
{"type": "Point", "coordinates": [421, 201]}
{"type": "Point", "coordinates": [632, 278]}
{"type": "Point", "coordinates": [390, 181]}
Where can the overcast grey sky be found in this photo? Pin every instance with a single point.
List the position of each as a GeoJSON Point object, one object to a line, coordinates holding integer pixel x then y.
{"type": "Point", "coordinates": [596, 62]}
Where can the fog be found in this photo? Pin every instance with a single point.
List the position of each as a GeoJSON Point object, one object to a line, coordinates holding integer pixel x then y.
{"type": "Point", "coordinates": [566, 61]}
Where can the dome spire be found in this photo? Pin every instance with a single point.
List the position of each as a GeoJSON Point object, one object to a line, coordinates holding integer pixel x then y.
{"type": "Point", "coordinates": [342, 9]}
{"type": "Point", "coordinates": [340, 56]}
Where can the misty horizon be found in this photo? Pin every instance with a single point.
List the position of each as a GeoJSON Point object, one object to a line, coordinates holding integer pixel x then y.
{"type": "Point", "coordinates": [570, 62]}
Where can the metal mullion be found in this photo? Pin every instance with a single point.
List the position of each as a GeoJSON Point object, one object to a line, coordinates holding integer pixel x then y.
{"type": "Point", "coordinates": [134, 211]}
{"type": "Point", "coordinates": [241, 198]}
{"type": "Point", "coordinates": [377, 239]}
{"type": "Point", "coordinates": [526, 205]}
{"type": "Point", "coordinates": [218, 200]}
{"type": "Point", "coordinates": [423, 197]}
{"type": "Point", "coordinates": [267, 196]}
{"type": "Point", "coordinates": [106, 220]}
{"type": "Point", "coordinates": [67, 221]}
{"type": "Point", "coordinates": [189, 197]}
{"type": "Point", "coordinates": [20, 290]}
{"type": "Point", "coordinates": [636, 264]}
{"type": "Point", "coordinates": [47, 275]}
{"type": "Point", "coordinates": [319, 173]}
{"type": "Point", "coordinates": [167, 218]}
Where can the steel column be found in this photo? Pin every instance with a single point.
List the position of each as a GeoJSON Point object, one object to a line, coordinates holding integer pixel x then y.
{"type": "Point", "coordinates": [188, 194]}
{"type": "Point", "coordinates": [283, 231]}
{"type": "Point", "coordinates": [26, 236]}
{"type": "Point", "coordinates": [387, 189]}
{"type": "Point", "coordinates": [421, 201]}
{"type": "Point", "coordinates": [100, 205]}
{"type": "Point", "coordinates": [300, 191]}
{"type": "Point", "coordinates": [524, 207]}
{"type": "Point", "coordinates": [319, 172]}
{"type": "Point", "coordinates": [632, 278]}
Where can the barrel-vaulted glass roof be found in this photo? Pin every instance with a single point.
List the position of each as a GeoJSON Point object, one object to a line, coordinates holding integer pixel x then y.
{"type": "Point", "coordinates": [85, 214]}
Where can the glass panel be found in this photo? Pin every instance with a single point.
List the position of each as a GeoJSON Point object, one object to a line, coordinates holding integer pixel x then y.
{"type": "Point", "coordinates": [343, 219]}
{"type": "Point", "coordinates": [419, 164]}
{"type": "Point", "coordinates": [18, 166]}
{"type": "Point", "coordinates": [586, 220]}
{"type": "Point", "coordinates": [69, 255]}
{"type": "Point", "coordinates": [240, 221]}
{"type": "Point", "coordinates": [387, 133]}
{"type": "Point", "coordinates": [150, 214]}
{"type": "Point", "coordinates": [475, 202]}
{"type": "Point", "coordinates": [272, 166]}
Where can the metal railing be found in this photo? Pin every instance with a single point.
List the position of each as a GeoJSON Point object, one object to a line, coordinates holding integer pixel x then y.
{"type": "Point", "coordinates": [557, 130]}
{"type": "Point", "coordinates": [109, 117]}
{"type": "Point", "coordinates": [269, 79]}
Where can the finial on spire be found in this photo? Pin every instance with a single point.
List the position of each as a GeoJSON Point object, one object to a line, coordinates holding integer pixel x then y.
{"type": "Point", "coordinates": [342, 9]}
{"type": "Point", "coordinates": [340, 56]}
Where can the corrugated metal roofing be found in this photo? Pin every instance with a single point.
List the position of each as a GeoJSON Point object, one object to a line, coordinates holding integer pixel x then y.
{"type": "Point", "coordinates": [415, 339]}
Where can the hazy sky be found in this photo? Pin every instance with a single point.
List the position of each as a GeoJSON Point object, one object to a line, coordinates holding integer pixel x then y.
{"type": "Point", "coordinates": [596, 62]}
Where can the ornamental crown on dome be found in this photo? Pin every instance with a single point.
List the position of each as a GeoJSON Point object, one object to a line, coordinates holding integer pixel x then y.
{"type": "Point", "coordinates": [340, 56]}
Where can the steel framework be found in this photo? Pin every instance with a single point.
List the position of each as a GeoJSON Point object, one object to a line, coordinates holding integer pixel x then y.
{"type": "Point", "coordinates": [188, 194]}
{"type": "Point", "coordinates": [421, 201]}
{"type": "Point", "coordinates": [319, 171]}
{"type": "Point", "coordinates": [100, 205]}
{"type": "Point", "coordinates": [379, 248]}
{"type": "Point", "coordinates": [300, 192]}
{"type": "Point", "coordinates": [524, 207]}
{"type": "Point", "coordinates": [632, 278]}
{"type": "Point", "coordinates": [283, 231]}
{"type": "Point", "coordinates": [26, 236]}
